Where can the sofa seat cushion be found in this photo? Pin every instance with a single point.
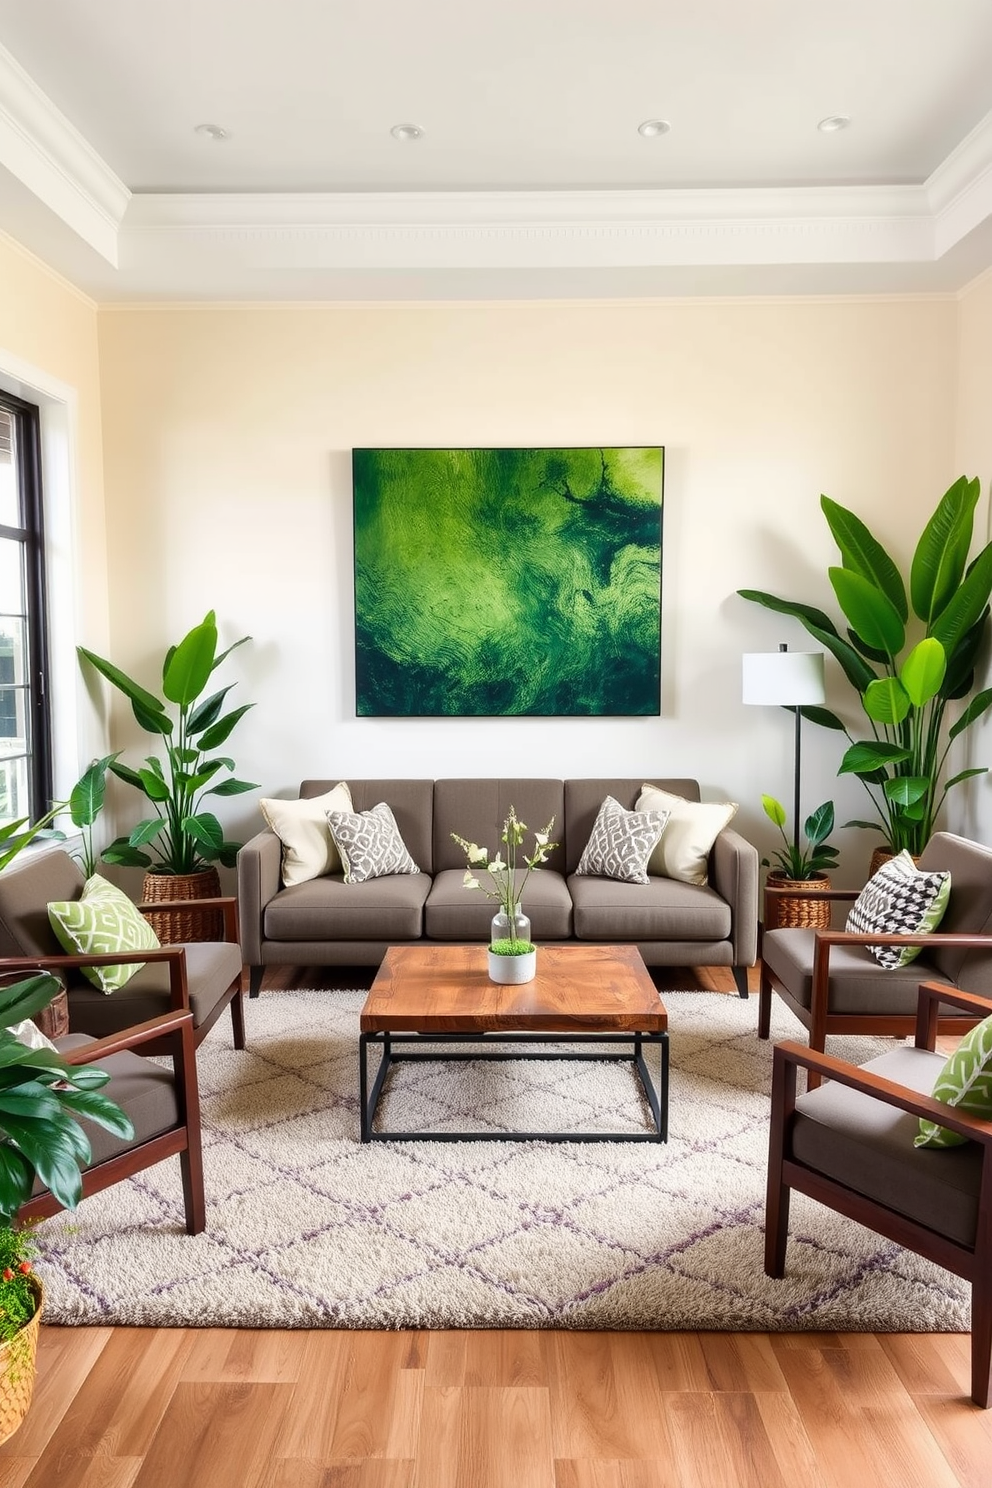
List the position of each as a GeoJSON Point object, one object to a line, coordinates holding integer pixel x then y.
{"type": "Point", "coordinates": [145, 1090]}
{"type": "Point", "coordinates": [661, 909]}
{"type": "Point", "coordinates": [211, 967]}
{"type": "Point", "coordinates": [455, 913]}
{"type": "Point", "coordinates": [390, 908]}
{"type": "Point", "coordinates": [868, 1146]}
{"type": "Point", "coordinates": [856, 982]}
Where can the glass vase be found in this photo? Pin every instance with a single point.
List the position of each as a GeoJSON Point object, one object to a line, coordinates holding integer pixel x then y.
{"type": "Point", "coordinates": [510, 927]}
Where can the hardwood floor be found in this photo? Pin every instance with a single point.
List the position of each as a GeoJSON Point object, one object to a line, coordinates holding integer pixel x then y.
{"type": "Point", "coordinates": [217, 1408]}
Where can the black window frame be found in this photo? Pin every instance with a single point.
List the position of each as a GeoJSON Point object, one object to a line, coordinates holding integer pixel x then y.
{"type": "Point", "coordinates": [27, 420]}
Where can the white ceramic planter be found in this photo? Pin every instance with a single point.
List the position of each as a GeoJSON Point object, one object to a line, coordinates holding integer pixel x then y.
{"type": "Point", "coordinates": [513, 971]}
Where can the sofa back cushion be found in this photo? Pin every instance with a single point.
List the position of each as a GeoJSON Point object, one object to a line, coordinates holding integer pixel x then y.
{"type": "Point", "coordinates": [477, 809]}
{"type": "Point", "coordinates": [583, 798]}
{"type": "Point", "coordinates": [969, 909]}
{"type": "Point", "coordinates": [26, 890]}
{"type": "Point", "coordinates": [410, 801]}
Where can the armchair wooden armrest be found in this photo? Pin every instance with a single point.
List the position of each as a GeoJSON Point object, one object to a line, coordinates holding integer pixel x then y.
{"type": "Point", "coordinates": [789, 1057]}
{"type": "Point", "coordinates": [129, 1038]}
{"type": "Point", "coordinates": [932, 994]}
{"type": "Point", "coordinates": [174, 956]}
{"type": "Point", "coordinates": [227, 904]}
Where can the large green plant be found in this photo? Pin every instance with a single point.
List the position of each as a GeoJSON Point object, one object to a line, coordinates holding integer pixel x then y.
{"type": "Point", "coordinates": [906, 685]}
{"type": "Point", "coordinates": [181, 837]}
{"type": "Point", "coordinates": [41, 1100]}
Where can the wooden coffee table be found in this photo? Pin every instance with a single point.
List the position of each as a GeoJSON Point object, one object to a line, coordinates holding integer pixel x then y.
{"type": "Point", "coordinates": [582, 995]}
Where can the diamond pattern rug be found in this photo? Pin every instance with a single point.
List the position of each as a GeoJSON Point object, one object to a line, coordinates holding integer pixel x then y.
{"type": "Point", "coordinates": [307, 1228]}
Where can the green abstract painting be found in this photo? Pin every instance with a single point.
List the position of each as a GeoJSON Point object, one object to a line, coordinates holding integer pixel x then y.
{"type": "Point", "coordinates": [507, 581]}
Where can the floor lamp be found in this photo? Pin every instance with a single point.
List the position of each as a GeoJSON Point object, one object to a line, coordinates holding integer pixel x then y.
{"type": "Point", "coordinates": [787, 679]}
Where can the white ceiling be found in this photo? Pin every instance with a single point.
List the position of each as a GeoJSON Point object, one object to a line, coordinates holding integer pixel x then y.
{"type": "Point", "coordinates": [530, 177]}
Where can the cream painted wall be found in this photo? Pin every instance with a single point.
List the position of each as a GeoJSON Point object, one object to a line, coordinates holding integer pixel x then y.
{"type": "Point", "coordinates": [972, 810]}
{"type": "Point", "coordinates": [49, 354]}
{"type": "Point", "coordinates": [227, 439]}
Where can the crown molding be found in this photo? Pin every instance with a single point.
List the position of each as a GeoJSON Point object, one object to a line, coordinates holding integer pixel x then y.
{"type": "Point", "coordinates": [42, 150]}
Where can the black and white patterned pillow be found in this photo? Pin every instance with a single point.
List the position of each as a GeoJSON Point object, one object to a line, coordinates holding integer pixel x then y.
{"type": "Point", "coordinates": [621, 842]}
{"type": "Point", "coordinates": [369, 843]}
{"type": "Point", "coordinates": [899, 900]}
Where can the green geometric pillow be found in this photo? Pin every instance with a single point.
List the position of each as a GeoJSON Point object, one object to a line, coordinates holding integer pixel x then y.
{"type": "Point", "coordinates": [966, 1082]}
{"type": "Point", "coordinates": [104, 919]}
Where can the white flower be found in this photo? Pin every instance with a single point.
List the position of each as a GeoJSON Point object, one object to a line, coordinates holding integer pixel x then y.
{"type": "Point", "coordinates": [497, 865]}
{"type": "Point", "coordinates": [476, 854]}
{"type": "Point", "coordinates": [470, 881]}
{"type": "Point", "coordinates": [541, 838]}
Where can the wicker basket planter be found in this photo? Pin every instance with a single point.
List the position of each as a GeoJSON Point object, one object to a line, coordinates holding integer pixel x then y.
{"type": "Point", "coordinates": [882, 855]}
{"type": "Point", "coordinates": [809, 910]}
{"type": "Point", "coordinates": [177, 926]}
{"type": "Point", "coordinates": [17, 1370]}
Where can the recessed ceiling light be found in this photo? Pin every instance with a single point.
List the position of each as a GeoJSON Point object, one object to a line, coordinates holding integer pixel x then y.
{"type": "Point", "coordinates": [407, 132]}
{"type": "Point", "coordinates": [832, 123]}
{"type": "Point", "coordinates": [653, 127]}
{"type": "Point", "coordinates": [212, 131]}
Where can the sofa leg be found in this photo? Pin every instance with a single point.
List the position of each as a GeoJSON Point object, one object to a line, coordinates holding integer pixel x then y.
{"type": "Point", "coordinates": [740, 977]}
{"type": "Point", "coordinates": [255, 980]}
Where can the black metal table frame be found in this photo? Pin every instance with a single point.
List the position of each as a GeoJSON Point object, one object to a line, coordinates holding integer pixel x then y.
{"type": "Point", "coordinates": [634, 1041]}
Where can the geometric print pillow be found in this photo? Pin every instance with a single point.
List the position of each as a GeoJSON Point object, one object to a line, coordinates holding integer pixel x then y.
{"type": "Point", "coordinates": [369, 843]}
{"type": "Point", "coordinates": [899, 900]}
{"type": "Point", "coordinates": [966, 1082]}
{"type": "Point", "coordinates": [621, 842]}
{"type": "Point", "coordinates": [103, 919]}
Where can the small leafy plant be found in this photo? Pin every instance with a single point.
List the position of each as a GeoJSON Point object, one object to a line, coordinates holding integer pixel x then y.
{"type": "Point", "coordinates": [794, 860]}
{"type": "Point", "coordinates": [18, 1298]}
{"type": "Point", "coordinates": [503, 884]}
{"type": "Point", "coordinates": [182, 837]}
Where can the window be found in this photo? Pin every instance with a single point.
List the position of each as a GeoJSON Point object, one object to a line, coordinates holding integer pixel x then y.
{"type": "Point", "coordinates": [25, 729]}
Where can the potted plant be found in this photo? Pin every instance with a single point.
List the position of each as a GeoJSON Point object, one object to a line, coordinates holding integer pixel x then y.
{"type": "Point", "coordinates": [907, 687]}
{"type": "Point", "coordinates": [41, 1099]}
{"type": "Point", "coordinates": [800, 866]}
{"type": "Point", "coordinates": [512, 953]}
{"type": "Point", "coordinates": [180, 844]}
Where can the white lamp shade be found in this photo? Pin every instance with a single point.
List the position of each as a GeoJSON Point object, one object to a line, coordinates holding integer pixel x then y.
{"type": "Point", "coordinates": [790, 679]}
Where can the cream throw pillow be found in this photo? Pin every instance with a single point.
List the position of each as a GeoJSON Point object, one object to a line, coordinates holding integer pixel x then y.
{"type": "Point", "coordinates": [308, 849]}
{"type": "Point", "coordinates": [693, 827]}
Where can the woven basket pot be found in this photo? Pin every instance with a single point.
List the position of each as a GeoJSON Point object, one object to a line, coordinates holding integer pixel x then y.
{"type": "Point", "coordinates": [177, 926]}
{"type": "Point", "coordinates": [17, 1370]}
{"type": "Point", "coordinates": [806, 912]}
{"type": "Point", "coordinates": [882, 855]}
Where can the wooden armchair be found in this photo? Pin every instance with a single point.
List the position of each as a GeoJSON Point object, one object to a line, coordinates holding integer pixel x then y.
{"type": "Point", "coordinates": [163, 1104]}
{"type": "Point", "coordinates": [835, 986]}
{"type": "Point", "coordinates": [202, 978]}
{"type": "Point", "coordinates": [849, 1145]}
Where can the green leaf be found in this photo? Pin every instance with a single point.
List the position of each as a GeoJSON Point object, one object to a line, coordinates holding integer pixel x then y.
{"type": "Point", "coordinates": [942, 551]}
{"type": "Point", "coordinates": [978, 705]}
{"type": "Point", "coordinates": [22, 999]}
{"type": "Point", "coordinates": [227, 854]}
{"type": "Point", "coordinates": [819, 824]}
{"type": "Point", "coordinates": [208, 711]}
{"type": "Point", "coordinates": [152, 723]}
{"type": "Point", "coordinates": [219, 731]}
{"type": "Point", "coordinates": [188, 668]}
{"type": "Point", "coordinates": [225, 654]}
{"type": "Point", "coordinates": [16, 1181]}
{"type": "Point", "coordinates": [822, 716]}
{"type": "Point", "coordinates": [966, 775]}
{"type": "Point", "coordinates": [885, 700]}
{"type": "Point", "coordinates": [868, 755]}
{"type": "Point", "coordinates": [88, 794]}
{"type": "Point", "coordinates": [869, 610]}
{"type": "Point", "coordinates": [863, 554]}
{"type": "Point", "coordinates": [146, 831]}
{"type": "Point", "coordinates": [52, 1152]}
{"type": "Point", "coordinates": [28, 1100]}
{"type": "Point", "coordinates": [868, 826]}
{"type": "Point", "coordinates": [774, 810]}
{"type": "Point", "coordinates": [153, 785]}
{"type": "Point", "coordinates": [923, 671]}
{"type": "Point", "coordinates": [131, 690]}
{"type": "Point", "coordinates": [101, 1110]}
{"type": "Point", "coordinates": [960, 676]}
{"type": "Point", "coordinates": [121, 854]}
{"type": "Point", "coordinates": [965, 606]}
{"type": "Point", "coordinates": [906, 790]}
{"type": "Point", "coordinates": [232, 788]}
{"type": "Point", "coordinates": [807, 614]}
{"type": "Point", "coordinates": [205, 829]}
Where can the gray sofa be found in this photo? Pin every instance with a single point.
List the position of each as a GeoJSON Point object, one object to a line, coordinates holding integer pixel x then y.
{"type": "Point", "coordinates": [326, 922]}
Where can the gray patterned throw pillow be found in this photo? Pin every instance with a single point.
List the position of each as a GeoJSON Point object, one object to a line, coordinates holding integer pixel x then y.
{"type": "Point", "coordinates": [621, 842]}
{"type": "Point", "coordinates": [369, 843]}
{"type": "Point", "coordinates": [899, 900]}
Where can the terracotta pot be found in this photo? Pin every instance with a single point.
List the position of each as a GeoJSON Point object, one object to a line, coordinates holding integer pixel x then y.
{"type": "Point", "coordinates": [807, 911]}
{"type": "Point", "coordinates": [17, 1370]}
{"type": "Point", "coordinates": [177, 926]}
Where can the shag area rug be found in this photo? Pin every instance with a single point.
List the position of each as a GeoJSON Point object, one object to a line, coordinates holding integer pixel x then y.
{"type": "Point", "coordinates": [308, 1228]}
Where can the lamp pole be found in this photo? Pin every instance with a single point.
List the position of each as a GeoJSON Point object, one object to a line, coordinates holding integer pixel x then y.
{"type": "Point", "coordinates": [799, 725]}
